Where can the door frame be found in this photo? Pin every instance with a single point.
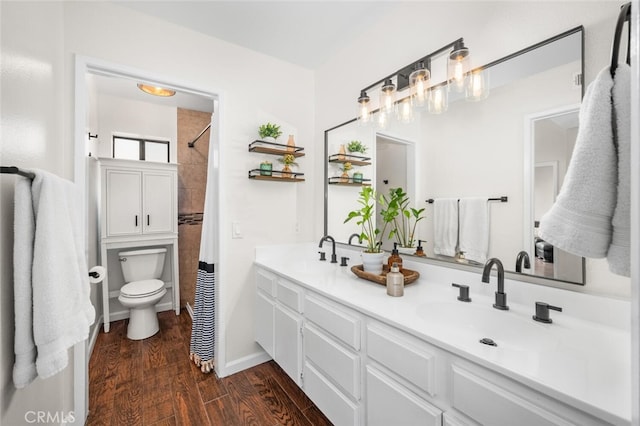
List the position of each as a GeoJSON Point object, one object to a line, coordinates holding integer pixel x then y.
{"type": "Point", "coordinates": [83, 66]}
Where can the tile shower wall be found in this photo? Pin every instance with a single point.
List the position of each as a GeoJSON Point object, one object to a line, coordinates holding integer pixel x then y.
{"type": "Point", "coordinates": [192, 181]}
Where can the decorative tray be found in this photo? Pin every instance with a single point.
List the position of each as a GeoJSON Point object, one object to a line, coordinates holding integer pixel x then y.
{"type": "Point", "coordinates": [409, 275]}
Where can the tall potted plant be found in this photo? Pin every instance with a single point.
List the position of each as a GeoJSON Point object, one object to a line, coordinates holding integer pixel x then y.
{"type": "Point", "coordinates": [372, 255]}
{"type": "Point", "coordinates": [405, 220]}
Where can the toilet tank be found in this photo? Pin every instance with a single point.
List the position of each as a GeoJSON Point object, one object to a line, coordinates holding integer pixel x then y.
{"type": "Point", "coordinates": [140, 265]}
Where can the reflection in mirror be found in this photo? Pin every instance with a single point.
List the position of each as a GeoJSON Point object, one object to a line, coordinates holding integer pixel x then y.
{"type": "Point", "coordinates": [476, 149]}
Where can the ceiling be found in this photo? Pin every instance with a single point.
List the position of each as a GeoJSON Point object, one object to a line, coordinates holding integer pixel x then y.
{"type": "Point", "coordinates": [306, 33]}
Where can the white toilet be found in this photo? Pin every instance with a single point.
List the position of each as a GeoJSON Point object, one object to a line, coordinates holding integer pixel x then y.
{"type": "Point", "coordinates": [141, 270]}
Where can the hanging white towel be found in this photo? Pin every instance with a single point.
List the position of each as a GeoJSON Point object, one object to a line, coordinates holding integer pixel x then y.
{"type": "Point", "coordinates": [445, 226]}
{"type": "Point", "coordinates": [474, 229]}
{"type": "Point", "coordinates": [618, 255]}
{"type": "Point", "coordinates": [55, 312]}
{"type": "Point", "coordinates": [579, 222]}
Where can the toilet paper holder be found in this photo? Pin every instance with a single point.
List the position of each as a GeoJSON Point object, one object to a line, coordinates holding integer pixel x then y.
{"type": "Point", "coordinates": [94, 274]}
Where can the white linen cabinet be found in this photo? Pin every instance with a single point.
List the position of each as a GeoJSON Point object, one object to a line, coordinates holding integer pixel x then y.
{"type": "Point", "coordinates": [139, 209]}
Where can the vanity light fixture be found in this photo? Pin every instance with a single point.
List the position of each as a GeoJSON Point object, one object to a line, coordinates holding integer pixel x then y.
{"type": "Point", "coordinates": [156, 91]}
{"type": "Point", "coordinates": [458, 66]}
{"type": "Point", "coordinates": [415, 87]}
{"type": "Point", "coordinates": [364, 111]}
{"type": "Point", "coordinates": [419, 83]}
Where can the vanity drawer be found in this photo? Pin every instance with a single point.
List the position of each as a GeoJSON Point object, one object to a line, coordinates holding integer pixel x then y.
{"type": "Point", "coordinates": [337, 362]}
{"type": "Point", "coordinates": [403, 354]}
{"type": "Point", "coordinates": [389, 403]}
{"type": "Point", "coordinates": [290, 295]}
{"type": "Point", "coordinates": [266, 281]}
{"type": "Point", "coordinates": [335, 321]}
{"type": "Point", "coordinates": [490, 403]}
{"type": "Point", "coordinates": [333, 404]}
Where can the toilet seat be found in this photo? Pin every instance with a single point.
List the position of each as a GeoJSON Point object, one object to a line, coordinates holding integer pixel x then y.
{"type": "Point", "coordinates": [144, 288]}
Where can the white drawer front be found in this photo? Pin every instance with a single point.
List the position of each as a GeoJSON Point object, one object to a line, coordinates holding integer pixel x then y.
{"type": "Point", "coordinates": [333, 404]}
{"type": "Point", "coordinates": [489, 404]}
{"type": "Point", "coordinates": [339, 364]}
{"type": "Point", "coordinates": [289, 295]}
{"type": "Point", "coordinates": [402, 354]}
{"type": "Point", "coordinates": [388, 403]}
{"type": "Point", "coordinates": [335, 321]}
{"type": "Point", "coordinates": [266, 282]}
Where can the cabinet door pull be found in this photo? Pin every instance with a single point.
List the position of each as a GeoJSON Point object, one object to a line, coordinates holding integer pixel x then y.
{"type": "Point", "coordinates": [148, 223]}
{"type": "Point", "coordinates": [136, 221]}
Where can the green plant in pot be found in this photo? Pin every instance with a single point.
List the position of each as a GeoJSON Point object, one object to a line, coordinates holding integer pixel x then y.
{"type": "Point", "coordinates": [372, 255]}
{"type": "Point", "coordinates": [269, 132]}
{"type": "Point", "coordinates": [405, 220]}
{"type": "Point", "coordinates": [356, 146]}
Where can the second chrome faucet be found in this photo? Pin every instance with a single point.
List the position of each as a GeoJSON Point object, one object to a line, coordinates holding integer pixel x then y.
{"type": "Point", "coordinates": [501, 296]}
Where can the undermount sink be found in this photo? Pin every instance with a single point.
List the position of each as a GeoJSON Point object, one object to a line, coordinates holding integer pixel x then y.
{"type": "Point", "coordinates": [470, 322]}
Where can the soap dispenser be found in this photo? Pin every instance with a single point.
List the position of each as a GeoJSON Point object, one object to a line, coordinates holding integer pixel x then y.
{"type": "Point", "coordinates": [420, 250]}
{"type": "Point", "coordinates": [395, 257]}
{"type": "Point", "coordinates": [395, 281]}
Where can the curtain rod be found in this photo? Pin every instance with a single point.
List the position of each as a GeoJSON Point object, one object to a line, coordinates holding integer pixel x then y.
{"type": "Point", "coordinates": [193, 142]}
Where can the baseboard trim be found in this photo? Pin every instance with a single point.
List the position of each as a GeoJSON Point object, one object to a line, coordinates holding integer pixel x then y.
{"type": "Point", "coordinates": [243, 363]}
{"type": "Point", "coordinates": [94, 336]}
{"type": "Point", "coordinates": [190, 310]}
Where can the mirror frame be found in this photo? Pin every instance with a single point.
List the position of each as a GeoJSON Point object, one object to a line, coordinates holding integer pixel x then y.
{"type": "Point", "coordinates": [536, 279]}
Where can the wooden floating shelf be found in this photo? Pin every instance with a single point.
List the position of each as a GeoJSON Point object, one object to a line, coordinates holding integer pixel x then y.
{"type": "Point", "coordinates": [273, 148]}
{"type": "Point", "coordinates": [338, 180]}
{"type": "Point", "coordinates": [356, 160]}
{"type": "Point", "coordinates": [276, 176]}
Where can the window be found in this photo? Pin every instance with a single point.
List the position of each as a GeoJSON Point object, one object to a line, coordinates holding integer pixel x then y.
{"type": "Point", "coordinates": [140, 149]}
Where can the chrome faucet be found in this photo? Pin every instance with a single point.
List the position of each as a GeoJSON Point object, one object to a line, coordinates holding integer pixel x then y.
{"type": "Point", "coordinates": [358, 236]}
{"type": "Point", "coordinates": [334, 259]}
{"type": "Point", "coordinates": [523, 255]}
{"type": "Point", "coordinates": [501, 296]}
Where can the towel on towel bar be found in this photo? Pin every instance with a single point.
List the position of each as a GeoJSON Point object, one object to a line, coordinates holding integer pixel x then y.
{"type": "Point", "coordinates": [474, 229]}
{"type": "Point", "coordinates": [445, 226]}
{"type": "Point", "coordinates": [618, 255]}
{"type": "Point", "coordinates": [580, 220]}
{"type": "Point", "coordinates": [51, 286]}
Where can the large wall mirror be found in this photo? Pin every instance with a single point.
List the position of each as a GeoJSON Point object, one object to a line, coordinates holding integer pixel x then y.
{"type": "Point", "coordinates": [516, 144]}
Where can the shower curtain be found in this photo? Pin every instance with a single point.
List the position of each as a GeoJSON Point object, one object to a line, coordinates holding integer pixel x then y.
{"type": "Point", "coordinates": [204, 312]}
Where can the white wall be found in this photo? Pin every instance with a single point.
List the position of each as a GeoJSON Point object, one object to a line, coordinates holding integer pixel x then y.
{"type": "Point", "coordinates": [491, 30]}
{"type": "Point", "coordinates": [33, 134]}
{"type": "Point", "coordinates": [120, 116]}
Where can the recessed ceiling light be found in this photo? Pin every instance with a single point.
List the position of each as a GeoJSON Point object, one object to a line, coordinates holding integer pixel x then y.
{"type": "Point", "coordinates": [156, 91]}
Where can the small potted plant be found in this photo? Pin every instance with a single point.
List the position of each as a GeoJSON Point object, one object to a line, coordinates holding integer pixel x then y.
{"type": "Point", "coordinates": [372, 255]}
{"type": "Point", "coordinates": [265, 168]}
{"type": "Point", "coordinates": [288, 160]}
{"type": "Point", "coordinates": [345, 172]}
{"type": "Point", "coordinates": [269, 132]}
{"type": "Point", "coordinates": [356, 146]}
{"type": "Point", "coordinates": [405, 221]}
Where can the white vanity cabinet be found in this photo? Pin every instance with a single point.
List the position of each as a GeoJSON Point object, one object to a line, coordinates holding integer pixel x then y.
{"type": "Point", "coordinates": [139, 209]}
{"type": "Point", "coordinates": [264, 312]}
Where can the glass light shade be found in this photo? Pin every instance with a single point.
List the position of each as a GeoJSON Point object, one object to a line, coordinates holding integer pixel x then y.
{"type": "Point", "coordinates": [364, 113]}
{"type": "Point", "coordinates": [438, 99]}
{"type": "Point", "coordinates": [382, 120]}
{"type": "Point", "coordinates": [388, 98]}
{"type": "Point", "coordinates": [419, 83]}
{"type": "Point", "coordinates": [477, 87]}
{"type": "Point", "coordinates": [405, 110]}
{"type": "Point", "coordinates": [457, 67]}
{"type": "Point", "coordinates": [156, 91]}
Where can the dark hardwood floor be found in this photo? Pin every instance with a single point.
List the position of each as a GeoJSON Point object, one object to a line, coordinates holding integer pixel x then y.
{"type": "Point", "coordinates": [153, 382]}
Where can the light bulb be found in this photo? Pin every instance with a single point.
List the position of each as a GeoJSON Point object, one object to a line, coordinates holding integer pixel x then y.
{"type": "Point", "coordinates": [438, 100]}
{"type": "Point", "coordinates": [419, 82]}
{"type": "Point", "coordinates": [458, 66]}
{"type": "Point", "coordinates": [363, 112]}
{"type": "Point", "coordinates": [477, 85]}
{"type": "Point", "coordinates": [388, 97]}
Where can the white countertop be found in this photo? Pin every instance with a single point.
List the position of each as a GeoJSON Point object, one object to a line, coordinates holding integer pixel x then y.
{"type": "Point", "coordinates": [582, 359]}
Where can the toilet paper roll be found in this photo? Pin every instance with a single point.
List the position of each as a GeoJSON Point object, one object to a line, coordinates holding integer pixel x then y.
{"type": "Point", "coordinates": [100, 271]}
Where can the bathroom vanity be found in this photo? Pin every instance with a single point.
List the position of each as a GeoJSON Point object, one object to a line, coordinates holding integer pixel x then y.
{"type": "Point", "coordinates": [366, 358]}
